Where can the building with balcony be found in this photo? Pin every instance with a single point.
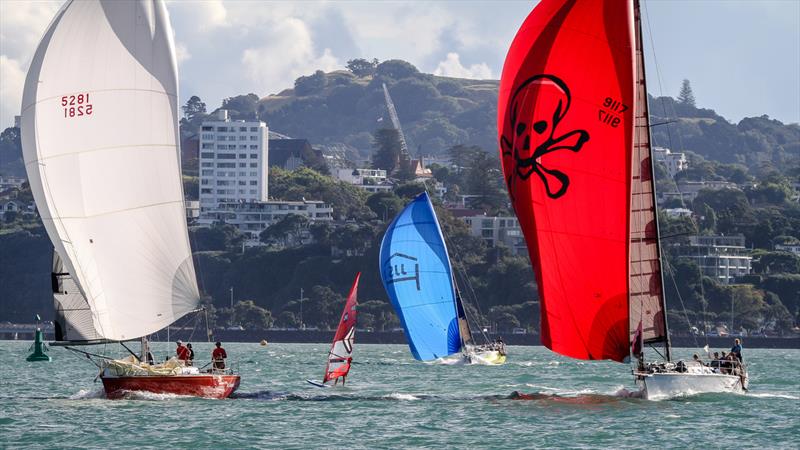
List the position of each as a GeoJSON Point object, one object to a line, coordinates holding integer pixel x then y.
{"type": "Point", "coordinates": [503, 230]}
{"type": "Point", "coordinates": [254, 217]}
{"type": "Point", "coordinates": [723, 258]}
{"type": "Point", "coordinates": [674, 162]}
{"type": "Point", "coordinates": [233, 162]}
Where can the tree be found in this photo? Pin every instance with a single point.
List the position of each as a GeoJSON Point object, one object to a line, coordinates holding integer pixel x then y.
{"type": "Point", "coordinates": [193, 107]}
{"type": "Point", "coordinates": [251, 316]}
{"type": "Point", "coordinates": [311, 84]}
{"type": "Point", "coordinates": [385, 205]}
{"type": "Point", "coordinates": [686, 97]}
{"type": "Point", "coordinates": [286, 230]}
{"type": "Point", "coordinates": [242, 107]}
{"type": "Point", "coordinates": [397, 69]}
{"type": "Point", "coordinates": [386, 156]}
{"type": "Point", "coordinates": [361, 67]}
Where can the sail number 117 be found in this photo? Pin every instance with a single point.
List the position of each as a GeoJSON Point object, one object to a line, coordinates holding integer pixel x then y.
{"type": "Point", "coordinates": [76, 105]}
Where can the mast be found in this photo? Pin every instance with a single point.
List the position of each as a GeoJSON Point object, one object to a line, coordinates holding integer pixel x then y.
{"type": "Point", "coordinates": [463, 322]}
{"type": "Point", "coordinates": [645, 128]}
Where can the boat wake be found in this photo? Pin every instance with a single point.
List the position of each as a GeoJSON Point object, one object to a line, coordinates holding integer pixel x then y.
{"type": "Point", "coordinates": [85, 394]}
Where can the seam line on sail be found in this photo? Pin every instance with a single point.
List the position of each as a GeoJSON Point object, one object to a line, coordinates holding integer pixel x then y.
{"type": "Point", "coordinates": [113, 212]}
{"type": "Point", "coordinates": [97, 149]}
{"type": "Point", "coordinates": [153, 91]}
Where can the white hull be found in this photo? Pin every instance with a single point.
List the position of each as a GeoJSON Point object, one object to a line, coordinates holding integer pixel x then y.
{"type": "Point", "coordinates": [656, 386]}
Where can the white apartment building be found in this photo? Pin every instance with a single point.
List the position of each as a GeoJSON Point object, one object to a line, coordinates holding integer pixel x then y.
{"type": "Point", "coordinates": [233, 162]}
{"type": "Point", "coordinates": [688, 190]}
{"type": "Point", "coordinates": [360, 176]}
{"type": "Point", "coordinates": [794, 248]}
{"type": "Point", "coordinates": [720, 257]}
{"type": "Point", "coordinates": [494, 230]}
{"type": "Point", "coordinates": [675, 162]}
{"type": "Point", "coordinates": [254, 217]}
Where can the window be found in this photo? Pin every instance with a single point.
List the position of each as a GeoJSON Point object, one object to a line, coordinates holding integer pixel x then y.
{"type": "Point", "coordinates": [253, 164]}
{"type": "Point", "coordinates": [209, 155]}
{"type": "Point", "coordinates": [254, 155]}
{"type": "Point", "coordinates": [253, 138]}
{"type": "Point", "coordinates": [242, 147]}
{"type": "Point", "coordinates": [207, 164]}
{"type": "Point", "coordinates": [242, 138]}
{"type": "Point", "coordinates": [242, 128]}
{"type": "Point", "coordinates": [226, 165]}
{"type": "Point", "coordinates": [242, 164]}
{"type": "Point", "coordinates": [220, 137]}
{"type": "Point", "coordinates": [253, 183]}
{"type": "Point", "coordinates": [242, 174]}
{"type": "Point", "coordinates": [253, 174]}
{"type": "Point", "coordinates": [242, 183]}
{"type": "Point", "coordinates": [207, 128]}
{"type": "Point", "coordinates": [253, 147]}
{"type": "Point", "coordinates": [223, 183]}
{"type": "Point", "coordinates": [208, 136]}
{"type": "Point", "coordinates": [253, 191]}
{"type": "Point", "coordinates": [486, 233]}
{"type": "Point", "coordinates": [208, 145]}
{"type": "Point", "coordinates": [204, 181]}
{"type": "Point", "coordinates": [223, 129]}
{"type": "Point", "coordinates": [253, 129]}
{"type": "Point", "coordinates": [207, 172]}
{"type": "Point", "coordinates": [226, 156]}
{"type": "Point", "coordinates": [205, 191]}
{"type": "Point", "coordinates": [242, 155]}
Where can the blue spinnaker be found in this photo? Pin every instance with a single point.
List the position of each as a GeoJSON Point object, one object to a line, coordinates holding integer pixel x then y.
{"type": "Point", "coordinates": [416, 273]}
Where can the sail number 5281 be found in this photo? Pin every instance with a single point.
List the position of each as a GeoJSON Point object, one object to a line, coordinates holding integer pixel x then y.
{"type": "Point", "coordinates": [76, 105]}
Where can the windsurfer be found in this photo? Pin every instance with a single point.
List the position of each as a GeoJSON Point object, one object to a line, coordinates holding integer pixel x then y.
{"type": "Point", "coordinates": [218, 356]}
{"type": "Point", "coordinates": [182, 352]}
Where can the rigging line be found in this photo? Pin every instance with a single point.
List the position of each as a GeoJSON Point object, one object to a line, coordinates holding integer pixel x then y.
{"type": "Point", "coordinates": [680, 297]}
{"type": "Point", "coordinates": [474, 300]}
{"type": "Point", "coordinates": [669, 137]}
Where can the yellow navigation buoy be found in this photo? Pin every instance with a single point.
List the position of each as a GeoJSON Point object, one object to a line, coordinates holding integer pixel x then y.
{"type": "Point", "coordinates": [263, 342]}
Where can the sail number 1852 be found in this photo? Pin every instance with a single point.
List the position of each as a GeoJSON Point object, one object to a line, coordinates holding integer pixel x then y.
{"type": "Point", "coordinates": [76, 105]}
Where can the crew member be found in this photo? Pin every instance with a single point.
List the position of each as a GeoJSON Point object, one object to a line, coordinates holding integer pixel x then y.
{"type": "Point", "coordinates": [191, 354]}
{"type": "Point", "coordinates": [736, 350]}
{"type": "Point", "coordinates": [218, 356]}
{"type": "Point", "coordinates": [182, 352]}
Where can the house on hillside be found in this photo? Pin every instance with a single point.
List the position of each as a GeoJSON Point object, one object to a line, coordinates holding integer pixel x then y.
{"type": "Point", "coordinates": [291, 154]}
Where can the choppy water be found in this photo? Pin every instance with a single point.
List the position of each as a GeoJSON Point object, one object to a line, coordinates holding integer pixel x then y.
{"type": "Point", "coordinates": [393, 401]}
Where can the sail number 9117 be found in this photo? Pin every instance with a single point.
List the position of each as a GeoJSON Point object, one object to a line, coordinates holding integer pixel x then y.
{"type": "Point", "coordinates": [76, 105]}
{"type": "Point", "coordinates": [610, 113]}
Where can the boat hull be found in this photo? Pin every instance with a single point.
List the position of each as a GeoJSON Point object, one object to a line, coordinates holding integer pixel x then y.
{"type": "Point", "coordinates": [197, 385]}
{"type": "Point", "coordinates": [667, 385]}
{"type": "Point", "coordinates": [491, 358]}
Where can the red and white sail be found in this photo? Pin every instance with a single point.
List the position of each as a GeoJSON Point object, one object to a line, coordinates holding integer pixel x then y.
{"type": "Point", "coordinates": [341, 354]}
{"type": "Point", "coordinates": [566, 110]}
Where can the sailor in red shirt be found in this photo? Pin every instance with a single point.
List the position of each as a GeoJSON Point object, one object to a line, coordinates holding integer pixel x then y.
{"type": "Point", "coordinates": [182, 352]}
{"type": "Point", "coordinates": [218, 356]}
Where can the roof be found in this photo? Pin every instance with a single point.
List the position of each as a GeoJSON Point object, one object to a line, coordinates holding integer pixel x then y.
{"type": "Point", "coordinates": [280, 150]}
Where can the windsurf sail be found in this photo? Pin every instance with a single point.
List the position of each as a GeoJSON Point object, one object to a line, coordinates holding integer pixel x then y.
{"type": "Point", "coordinates": [566, 113]}
{"type": "Point", "coordinates": [417, 276]}
{"type": "Point", "coordinates": [341, 353]}
{"type": "Point", "coordinates": [100, 143]}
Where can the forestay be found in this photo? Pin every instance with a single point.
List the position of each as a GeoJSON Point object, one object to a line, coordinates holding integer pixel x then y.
{"type": "Point", "coordinates": [416, 273]}
{"type": "Point", "coordinates": [100, 143]}
{"type": "Point", "coordinates": [565, 109]}
{"type": "Point", "coordinates": [341, 353]}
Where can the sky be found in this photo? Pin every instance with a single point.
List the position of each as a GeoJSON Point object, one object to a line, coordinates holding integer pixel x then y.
{"type": "Point", "coordinates": [742, 57]}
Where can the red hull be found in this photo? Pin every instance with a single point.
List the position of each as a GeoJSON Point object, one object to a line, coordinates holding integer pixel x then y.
{"type": "Point", "coordinates": [202, 385]}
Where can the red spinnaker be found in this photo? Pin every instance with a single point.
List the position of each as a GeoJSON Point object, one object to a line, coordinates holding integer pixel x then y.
{"type": "Point", "coordinates": [565, 125]}
{"type": "Point", "coordinates": [341, 354]}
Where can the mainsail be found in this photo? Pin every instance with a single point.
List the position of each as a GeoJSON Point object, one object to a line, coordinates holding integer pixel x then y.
{"type": "Point", "coordinates": [73, 319]}
{"type": "Point", "coordinates": [416, 273]}
{"type": "Point", "coordinates": [341, 353]}
{"type": "Point", "coordinates": [565, 123]}
{"type": "Point", "coordinates": [100, 143]}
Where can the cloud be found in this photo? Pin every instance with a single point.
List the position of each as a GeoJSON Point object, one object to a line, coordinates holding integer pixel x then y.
{"type": "Point", "coordinates": [288, 53]}
{"type": "Point", "coordinates": [181, 53]}
{"type": "Point", "coordinates": [452, 67]}
{"type": "Point", "coordinates": [12, 80]}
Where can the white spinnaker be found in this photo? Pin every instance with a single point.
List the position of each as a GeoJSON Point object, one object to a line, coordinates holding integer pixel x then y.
{"type": "Point", "coordinates": [107, 182]}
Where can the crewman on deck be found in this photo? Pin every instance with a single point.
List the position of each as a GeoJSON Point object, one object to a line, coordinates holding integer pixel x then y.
{"type": "Point", "coordinates": [736, 350]}
{"type": "Point", "coordinates": [191, 354]}
{"type": "Point", "coordinates": [218, 356]}
{"type": "Point", "coordinates": [182, 352]}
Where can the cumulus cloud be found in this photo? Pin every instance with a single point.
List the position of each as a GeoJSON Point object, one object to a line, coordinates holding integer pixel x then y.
{"type": "Point", "coordinates": [452, 67]}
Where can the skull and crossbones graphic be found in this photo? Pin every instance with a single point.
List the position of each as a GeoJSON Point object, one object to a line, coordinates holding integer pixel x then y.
{"type": "Point", "coordinates": [537, 107]}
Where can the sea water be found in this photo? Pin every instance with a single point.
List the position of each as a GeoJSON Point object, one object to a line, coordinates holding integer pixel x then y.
{"type": "Point", "coordinates": [391, 400]}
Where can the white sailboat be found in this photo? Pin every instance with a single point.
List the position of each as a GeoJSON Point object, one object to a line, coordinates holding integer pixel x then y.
{"type": "Point", "coordinates": [101, 148]}
{"type": "Point", "coordinates": [574, 134]}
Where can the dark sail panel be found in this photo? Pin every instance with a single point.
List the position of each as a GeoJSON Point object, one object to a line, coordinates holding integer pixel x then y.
{"type": "Point", "coordinates": [646, 287]}
{"type": "Point", "coordinates": [73, 319]}
{"type": "Point", "coordinates": [565, 124]}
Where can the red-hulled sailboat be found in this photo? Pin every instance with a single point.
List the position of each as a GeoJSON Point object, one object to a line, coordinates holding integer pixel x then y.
{"type": "Point", "coordinates": [340, 355]}
{"type": "Point", "coordinates": [574, 140]}
{"type": "Point", "coordinates": [101, 147]}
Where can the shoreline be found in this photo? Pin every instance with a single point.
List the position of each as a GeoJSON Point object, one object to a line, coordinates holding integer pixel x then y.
{"type": "Point", "coordinates": [21, 333]}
